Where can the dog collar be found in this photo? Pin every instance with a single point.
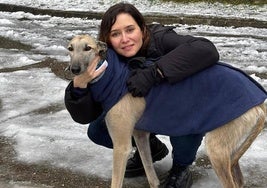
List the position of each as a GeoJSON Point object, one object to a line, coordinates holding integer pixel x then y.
{"type": "Point", "coordinates": [100, 64]}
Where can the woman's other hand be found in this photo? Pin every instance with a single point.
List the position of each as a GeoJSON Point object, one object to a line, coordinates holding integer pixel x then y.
{"type": "Point", "coordinates": [82, 80]}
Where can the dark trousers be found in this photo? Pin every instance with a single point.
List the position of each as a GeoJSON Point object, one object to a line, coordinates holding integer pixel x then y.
{"type": "Point", "coordinates": [184, 147]}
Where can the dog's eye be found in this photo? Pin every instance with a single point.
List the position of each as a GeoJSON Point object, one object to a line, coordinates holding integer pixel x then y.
{"type": "Point", "coordinates": [87, 48]}
{"type": "Point", "coordinates": [70, 48]}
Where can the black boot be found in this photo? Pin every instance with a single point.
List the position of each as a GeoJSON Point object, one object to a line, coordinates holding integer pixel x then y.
{"type": "Point", "coordinates": [135, 167]}
{"type": "Point", "coordinates": [179, 177]}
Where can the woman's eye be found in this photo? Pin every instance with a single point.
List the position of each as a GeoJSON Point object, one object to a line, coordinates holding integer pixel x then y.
{"type": "Point", "coordinates": [130, 30]}
{"type": "Point", "coordinates": [87, 48]}
{"type": "Point", "coordinates": [115, 34]}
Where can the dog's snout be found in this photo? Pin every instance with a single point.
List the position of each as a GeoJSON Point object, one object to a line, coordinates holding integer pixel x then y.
{"type": "Point", "coordinates": [75, 69]}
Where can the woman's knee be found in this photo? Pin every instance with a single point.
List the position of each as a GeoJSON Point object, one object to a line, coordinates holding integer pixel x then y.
{"type": "Point", "coordinates": [98, 133]}
{"type": "Point", "coordinates": [96, 128]}
{"type": "Point", "coordinates": [91, 132]}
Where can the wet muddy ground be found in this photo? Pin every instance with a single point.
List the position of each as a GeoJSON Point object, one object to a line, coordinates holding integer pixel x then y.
{"type": "Point", "coordinates": [41, 175]}
{"type": "Point", "coordinates": [14, 174]}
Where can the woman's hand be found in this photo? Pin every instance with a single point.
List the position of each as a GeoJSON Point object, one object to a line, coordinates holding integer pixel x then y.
{"type": "Point", "coordinates": [82, 80]}
{"type": "Point", "coordinates": [140, 81]}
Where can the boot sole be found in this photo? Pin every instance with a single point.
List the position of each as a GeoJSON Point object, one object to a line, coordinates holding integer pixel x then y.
{"type": "Point", "coordinates": [189, 183]}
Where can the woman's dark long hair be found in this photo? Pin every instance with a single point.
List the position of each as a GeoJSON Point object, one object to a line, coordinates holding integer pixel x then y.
{"type": "Point", "coordinates": [110, 16]}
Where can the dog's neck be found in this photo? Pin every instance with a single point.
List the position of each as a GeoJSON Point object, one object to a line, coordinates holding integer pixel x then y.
{"type": "Point", "coordinates": [100, 64]}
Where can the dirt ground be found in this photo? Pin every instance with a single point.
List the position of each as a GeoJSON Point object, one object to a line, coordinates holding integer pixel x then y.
{"type": "Point", "coordinates": [14, 174]}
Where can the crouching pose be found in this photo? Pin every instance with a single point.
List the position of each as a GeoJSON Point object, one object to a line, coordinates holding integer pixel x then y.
{"type": "Point", "coordinates": [156, 61]}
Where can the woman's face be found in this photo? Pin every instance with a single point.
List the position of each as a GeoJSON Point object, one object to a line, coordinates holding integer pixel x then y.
{"type": "Point", "coordinates": [126, 36]}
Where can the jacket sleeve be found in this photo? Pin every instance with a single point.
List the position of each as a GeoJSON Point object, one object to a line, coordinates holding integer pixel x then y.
{"type": "Point", "coordinates": [184, 55]}
{"type": "Point", "coordinates": [82, 108]}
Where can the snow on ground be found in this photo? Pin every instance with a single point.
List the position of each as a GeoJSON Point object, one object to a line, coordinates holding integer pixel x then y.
{"type": "Point", "coordinates": [54, 137]}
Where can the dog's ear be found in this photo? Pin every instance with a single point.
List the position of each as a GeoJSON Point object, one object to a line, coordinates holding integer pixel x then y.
{"type": "Point", "coordinates": [102, 47]}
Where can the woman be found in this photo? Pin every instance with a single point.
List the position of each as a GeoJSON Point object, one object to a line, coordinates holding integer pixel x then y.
{"type": "Point", "coordinates": [174, 57]}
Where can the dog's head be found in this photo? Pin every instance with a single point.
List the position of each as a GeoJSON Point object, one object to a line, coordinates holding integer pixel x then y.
{"type": "Point", "coordinates": [82, 50]}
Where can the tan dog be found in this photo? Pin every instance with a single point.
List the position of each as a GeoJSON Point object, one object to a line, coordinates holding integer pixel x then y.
{"type": "Point", "coordinates": [225, 145]}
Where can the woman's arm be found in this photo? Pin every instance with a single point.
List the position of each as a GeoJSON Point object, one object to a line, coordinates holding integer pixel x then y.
{"type": "Point", "coordinates": [79, 103]}
{"type": "Point", "coordinates": [78, 99]}
{"type": "Point", "coordinates": [184, 55]}
{"type": "Point", "coordinates": [178, 57]}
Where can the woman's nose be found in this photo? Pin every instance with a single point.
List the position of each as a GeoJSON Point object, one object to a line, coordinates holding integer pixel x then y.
{"type": "Point", "coordinates": [125, 37]}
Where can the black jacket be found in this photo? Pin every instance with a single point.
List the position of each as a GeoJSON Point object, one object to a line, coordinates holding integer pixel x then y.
{"type": "Point", "coordinates": [177, 56]}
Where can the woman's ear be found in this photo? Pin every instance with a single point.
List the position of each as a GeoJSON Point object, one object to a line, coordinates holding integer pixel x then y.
{"type": "Point", "coordinates": [144, 33]}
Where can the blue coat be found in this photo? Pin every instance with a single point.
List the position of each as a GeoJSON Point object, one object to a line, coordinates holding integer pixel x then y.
{"type": "Point", "coordinates": [198, 104]}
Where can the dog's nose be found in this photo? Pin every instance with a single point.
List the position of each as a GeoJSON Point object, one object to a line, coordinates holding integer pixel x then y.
{"type": "Point", "coordinates": [75, 69]}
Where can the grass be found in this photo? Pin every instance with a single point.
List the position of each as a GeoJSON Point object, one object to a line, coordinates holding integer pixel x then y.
{"type": "Point", "coordinates": [234, 2]}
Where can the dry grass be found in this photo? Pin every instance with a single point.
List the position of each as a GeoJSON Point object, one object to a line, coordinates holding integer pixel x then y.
{"type": "Point", "coordinates": [235, 2]}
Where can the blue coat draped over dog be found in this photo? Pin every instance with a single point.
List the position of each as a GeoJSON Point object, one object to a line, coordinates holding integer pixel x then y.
{"type": "Point", "coordinates": [198, 104]}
